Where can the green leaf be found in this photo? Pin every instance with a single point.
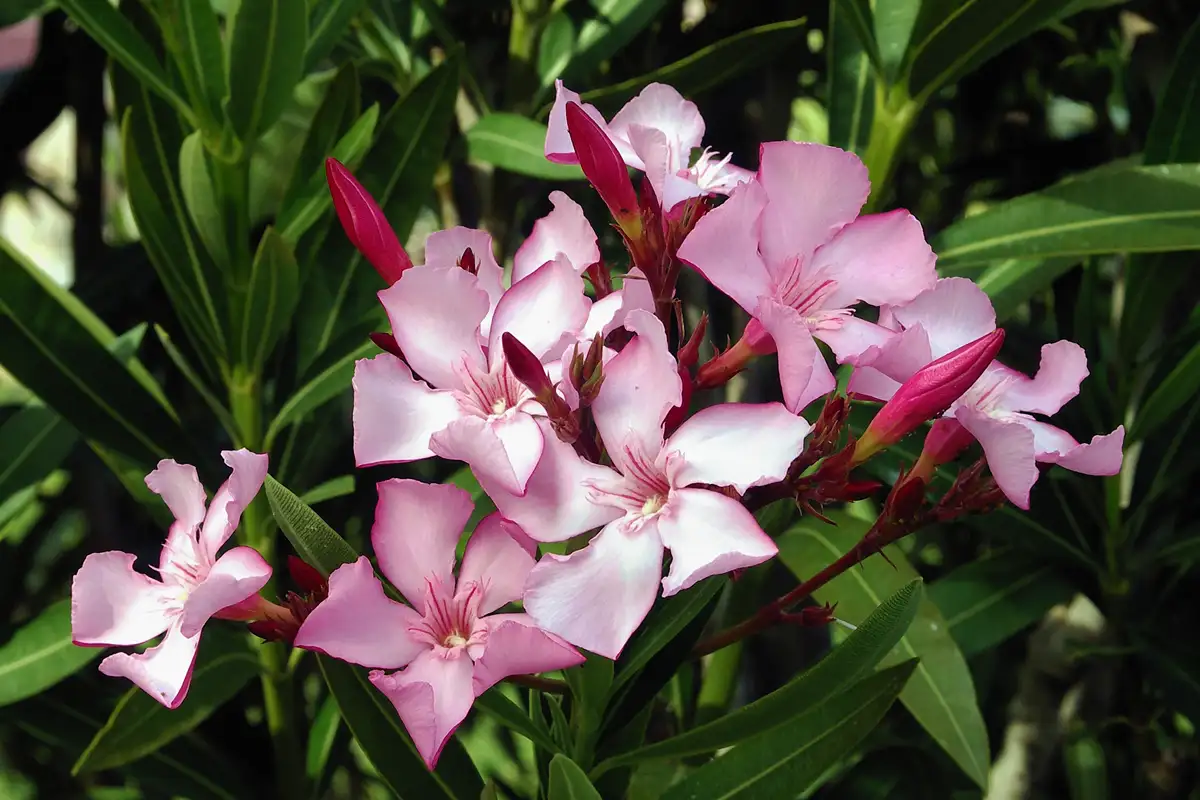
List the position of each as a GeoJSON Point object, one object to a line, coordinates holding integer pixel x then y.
{"type": "Point", "coordinates": [1011, 283]}
{"type": "Point", "coordinates": [33, 442]}
{"type": "Point", "coordinates": [786, 760]}
{"type": "Point", "coordinates": [40, 654]}
{"type": "Point", "coordinates": [614, 25]}
{"type": "Point", "coordinates": [195, 182]}
{"type": "Point", "coordinates": [333, 488]}
{"type": "Point", "coordinates": [326, 384]}
{"type": "Point", "coordinates": [15, 11]}
{"type": "Point", "coordinates": [941, 695]}
{"type": "Point", "coordinates": [1087, 772]}
{"type": "Point", "coordinates": [375, 724]}
{"type": "Point", "coordinates": [398, 172]}
{"type": "Point", "coordinates": [194, 33]}
{"type": "Point", "coordinates": [139, 724]}
{"type": "Point", "coordinates": [327, 21]}
{"type": "Point", "coordinates": [710, 66]}
{"type": "Point", "coordinates": [515, 143]}
{"type": "Point", "coordinates": [851, 79]}
{"type": "Point", "coordinates": [274, 291]}
{"type": "Point", "coordinates": [569, 782]}
{"type": "Point", "coordinates": [266, 61]}
{"type": "Point", "coordinates": [315, 542]}
{"type": "Point", "coordinates": [953, 37]}
{"type": "Point", "coordinates": [58, 349]}
{"type": "Point", "coordinates": [321, 738]}
{"type": "Point", "coordinates": [508, 714]}
{"type": "Point", "coordinates": [185, 368]}
{"type": "Point", "coordinates": [894, 22]}
{"type": "Point", "coordinates": [315, 200]}
{"type": "Point", "coordinates": [987, 601]}
{"type": "Point", "coordinates": [669, 617]}
{"type": "Point", "coordinates": [849, 661]}
{"type": "Point", "coordinates": [1110, 209]}
{"type": "Point", "coordinates": [555, 46]}
{"type": "Point", "coordinates": [1176, 391]}
{"type": "Point", "coordinates": [104, 23]}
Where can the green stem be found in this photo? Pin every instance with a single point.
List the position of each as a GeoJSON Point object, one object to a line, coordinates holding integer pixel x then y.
{"type": "Point", "coordinates": [527, 19]}
{"type": "Point", "coordinates": [894, 116]}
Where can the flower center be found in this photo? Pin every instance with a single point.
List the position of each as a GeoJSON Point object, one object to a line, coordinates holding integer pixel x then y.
{"type": "Point", "coordinates": [653, 505]}
{"type": "Point", "coordinates": [499, 405]}
{"type": "Point", "coordinates": [455, 639]}
{"type": "Point", "coordinates": [489, 393]}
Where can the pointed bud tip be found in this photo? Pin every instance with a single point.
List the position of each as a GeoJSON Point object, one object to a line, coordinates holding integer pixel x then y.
{"type": "Point", "coordinates": [601, 162]}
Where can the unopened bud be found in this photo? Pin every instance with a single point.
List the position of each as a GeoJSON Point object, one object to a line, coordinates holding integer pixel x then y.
{"type": "Point", "coordinates": [365, 224]}
{"type": "Point", "coordinates": [604, 168]}
{"type": "Point", "coordinates": [929, 392]}
{"type": "Point", "coordinates": [306, 577]}
{"type": "Point", "coordinates": [468, 262]}
{"type": "Point", "coordinates": [587, 371]}
{"type": "Point", "coordinates": [387, 343]}
{"type": "Point", "coordinates": [526, 367]}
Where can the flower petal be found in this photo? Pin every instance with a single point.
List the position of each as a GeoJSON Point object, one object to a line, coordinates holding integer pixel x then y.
{"type": "Point", "coordinates": [395, 414]}
{"type": "Point", "coordinates": [359, 624]}
{"type": "Point", "coordinates": [111, 604]}
{"type": "Point", "coordinates": [559, 148]}
{"type": "Point", "coordinates": [641, 385]}
{"type": "Point", "coordinates": [247, 471]}
{"type": "Point", "coordinates": [813, 190]}
{"type": "Point", "coordinates": [1101, 456]}
{"type": "Point", "coordinates": [849, 337]}
{"type": "Point", "coordinates": [708, 534]}
{"type": "Point", "coordinates": [1063, 368]}
{"type": "Point", "coordinates": [498, 557]}
{"type": "Point", "coordinates": [1008, 447]}
{"type": "Point", "coordinates": [432, 697]}
{"type": "Point", "coordinates": [878, 259]}
{"type": "Point", "coordinates": [894, 361]}
{"type": "Point", "coordinates": [735, 444]}
{"type": "Point", "coordinates": [436, 313]}
{"type": "Point", "coordinates": [506, 449]}
{"type": "Point", "coordinates": [596, 597]}
{"type": "Point", "coordinates": [543, 311]}
{"type": "Point", "coordinates": [723, 247]}
{"type": "Point", "coordinates": [517, 646]}
{"type": "Point", "coordinates": [164, 671]}
{"type": "Point", "coordinates": [416, 531]}
{"type": "Point", "coordinates": [660, 107]}
{"type": "Point", "coordinates": [237, 575]}
{"type": "Point", "coordinates": [803, 372]}
{"type": "Point", "coordinates": [179, 487]}
{"type": "Point", "coordinates": [555, 505]}
{"type": "Point", "coordinates": [564, 231]}
{"type": "Point", "coordinates": [446, 248]}
{"type": "Point", "coordinates": [955, 311]}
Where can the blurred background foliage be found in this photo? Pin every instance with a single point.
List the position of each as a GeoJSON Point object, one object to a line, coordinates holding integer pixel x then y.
{"type": "Point", "coordinates": [1075, 621]}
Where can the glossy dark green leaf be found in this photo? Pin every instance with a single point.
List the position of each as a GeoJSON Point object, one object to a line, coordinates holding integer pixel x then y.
{"type": "Point", "coordinates": [849, 661]}
{"type": "Point", "coordinates": [941, 695]}
{"type": "Point", "coordinates": [788, 759]}
{"type": "Point", "coordinates": [140, 725]}
{"type": "Point", "coordinates": [953, 37]}
{"type": "Point", "coordinates": [710, 66]}
{"type": "Point", "coordinates": [374, 722]}
{"type": "Point", "coordinates": [321, 738]}
{"type": "Point", "coordinates": [515, 143]}
{"type": "Point", "coordinates": [507, 713]}
{"type": "Point", "coordinates": [266, 61]}
{"type": "Point", "coordinates": [195, 183]}
{"type": "Point", "coordinates": [104, 23]}
{"type": "Point", "coordinates": [314, 541]}
{"type": "Point", "coordinates": [327, 383]}
{"type": "Point", "coordinates": [1011, 283]}
{"type": "Point", "coordinates": [987, 601]}
{"type": "Point", "coordinates": [33, 442]}
{"type": "Point", "coordinates": [331, 489]}
{"type": "Point", "coordinates": [1177, 391]}
{"type": "Point", "coordinates": [271, 301]}
{"type": "Point", "coordinates": [398, 172]}
{"type": "Point", "coordinates": [569, 782]}
{"type": "Point", "coordinates": [613, 25]}
{"type": "Point", "coordinates": [851, 79]}
{"type": "Point", "coordinates": [58, 349]}
{"type": "Point", "coordinates": [328, 20]}
{"type": "Point", "coordinates": [194, 33]}
{"type": "Point", "coordinates": [40, 654]}
{"type": "Point", "coordinates": [1110, 209]}
{"type": "Point", "coordinates": [555, 46]}
{"type": "Point", "coordinates": [893, 30]}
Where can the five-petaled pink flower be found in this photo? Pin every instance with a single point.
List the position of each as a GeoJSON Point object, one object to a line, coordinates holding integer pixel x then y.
{"type": "Point", "coordinates": [995, 409]}
{"type": "Point", "coordinates": [449, 646]}
{"type": "Point", "coordinates": [792, 251]}
{"type": "Point", "coordinates": [658, 496]}
{"type": "Point", "coordinates": [656, 133]}
{"type": "Point", "coordinates": [112, 605]}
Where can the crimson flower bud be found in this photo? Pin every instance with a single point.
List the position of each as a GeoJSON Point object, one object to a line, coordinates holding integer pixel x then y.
{"type": "Point", "coordinates": [929, 392]}
{"type": "Point", "coordinates": [364, 223]}
{"type": "Point", "coordinates": [526, 367]}
{"type": "Point", "coordinates": [306, 577]}
{"type": "Point", "coordinates": [387, 342]}
{"type": "Point", "coordinates": [604, 168]}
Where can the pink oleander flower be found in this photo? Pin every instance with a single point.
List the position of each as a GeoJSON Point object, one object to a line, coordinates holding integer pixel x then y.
{"type": "Point", "coordinates": [996, 409]}
{"type": "Point", "coordinates": [448, 321]}
{"type": "Point", "coordinates": [792, 251]}
{"type": "Point", "coordinates": [449, 645]}
{"type": "Point", "coordinates": [114, 606]}
{"type": "Point", "coordinates": [656, 496]}
{"type": "Point", "coordinates": [655, 132]}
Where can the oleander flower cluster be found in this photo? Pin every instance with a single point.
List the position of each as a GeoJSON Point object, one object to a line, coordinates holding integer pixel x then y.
{"type": "Point", "coordinates": [580, 402]}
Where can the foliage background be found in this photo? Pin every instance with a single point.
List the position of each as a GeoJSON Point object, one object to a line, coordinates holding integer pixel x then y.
{"type": "Point", "coordinates": [1074, 620]}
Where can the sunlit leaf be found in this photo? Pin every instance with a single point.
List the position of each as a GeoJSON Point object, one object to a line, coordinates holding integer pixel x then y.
{"type": "Point", "coordinates": [40, 654]}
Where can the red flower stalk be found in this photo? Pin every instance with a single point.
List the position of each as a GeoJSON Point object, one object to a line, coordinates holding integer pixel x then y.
{"type": "Point", "coordinates": [929, 392]}
{"type": "Point", "coordinates": [365, 224]}
{"type": "Point", "coordinates": [604, 168]}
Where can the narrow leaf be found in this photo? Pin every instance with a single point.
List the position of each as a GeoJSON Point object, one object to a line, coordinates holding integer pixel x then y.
{"type": "Point", "coordinates": [327, 21]}
{"type": "Point", "coordinates": [315, 542]}
{"type": "Point", "coordinates": [851, 79]}
{"type": "Point", "coordinates": [507, 713]}
{"type": "Point", "coordinates": [271, 300]}
{"type": "Point", "coordinates": [1177, 391]}
{"type": "Point", "coordinates": [321, 738]}
{"type": "Point", "coordinates": [515, 143]}
{"type": "Point", "coordinates": [266, 61]}
{"type": "Point", "coordinates": [33, 442]}
{"type": "Point", "coordinates": [1011, 283]}
{"type": "Point", "coordinates": [569, 782]}
{"type": "Point", "coordinates": [195, 182]}
{"type": "Point", "coordinates": [326, 384]}
{"type": "Point", "coordinates": [40, 654]}
{"type": "Point", "coordinates": [331, 489]}
{"type": "Point", "coordinates": [614, 25]}
{"type": "Point", "coordinates": [192, 28]}
{"type": "Point", "coordinates": [555, 46]}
